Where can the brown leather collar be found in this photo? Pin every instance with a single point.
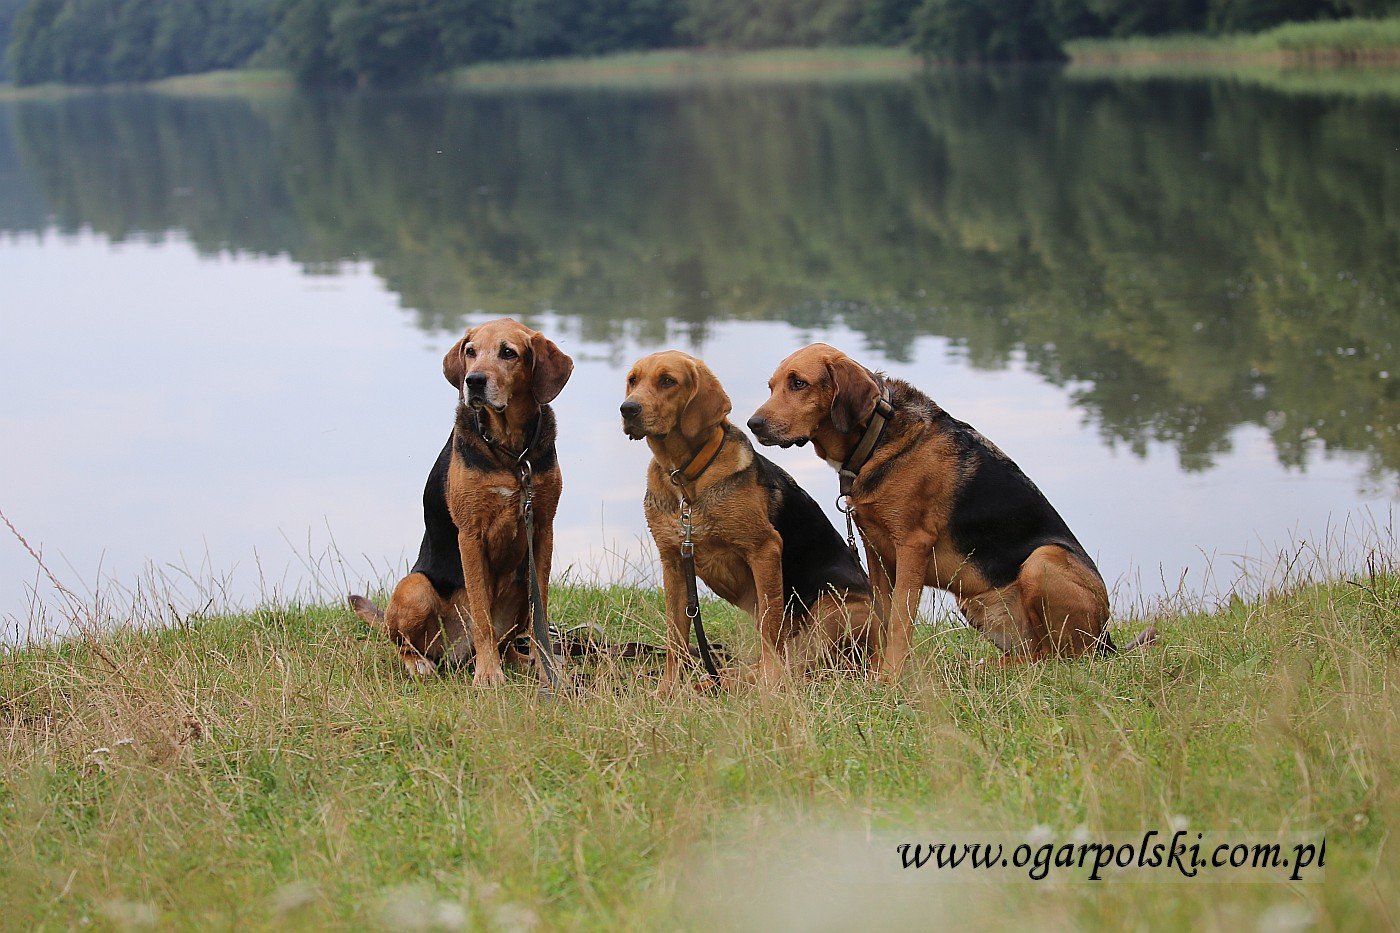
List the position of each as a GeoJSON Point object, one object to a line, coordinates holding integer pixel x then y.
{"type": "Point", "coordinates": [884, 411]}
{"type": "Point", "coordinates": [700, 461]}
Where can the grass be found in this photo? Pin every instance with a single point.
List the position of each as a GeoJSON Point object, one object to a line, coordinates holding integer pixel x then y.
{"type": "Point", "coordinates": [1368, 44]}
{"type": "Point", "coordinates": [1348, 41]}
{"type": "Point", "coordinates": [277, 769]}
{"type": "Point", "coordinates": [229, 82]}
{"type": "Point", "coordinates": [690, 65]}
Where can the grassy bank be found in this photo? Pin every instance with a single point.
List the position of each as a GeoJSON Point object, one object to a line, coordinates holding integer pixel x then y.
{"type": "Point", "coordinates": [1343, 42]}
{"type": "Point", "coordinates": [277, 769]}
{"type": "Point", "coordinates": [241, 82]}
{"type": "Point", "coordinates": [1364, 44]}
{"type": "Point", "coordinates": [689, 65]}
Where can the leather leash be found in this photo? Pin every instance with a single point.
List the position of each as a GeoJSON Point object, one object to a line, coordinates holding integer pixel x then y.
{"type": "Point", "coordinates": [679, 477]}
{"type": "Point", "coordinates": [850, 470]}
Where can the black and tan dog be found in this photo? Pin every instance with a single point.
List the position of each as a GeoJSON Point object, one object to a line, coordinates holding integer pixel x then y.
{"type": "Point", "coordinates": [760, 541]}
{"type": "Point", "coordinates": [940, 505]}
{"type": "Point", "coordinates": [468, 593]}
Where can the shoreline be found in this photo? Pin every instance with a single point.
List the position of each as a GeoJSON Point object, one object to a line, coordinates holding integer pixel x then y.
{"type": "Point", "coordinates": [1321, 48]}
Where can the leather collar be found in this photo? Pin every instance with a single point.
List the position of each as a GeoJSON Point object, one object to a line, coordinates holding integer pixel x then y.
{"type": "Point", "coordinates": [884, 411]}
{"type": "Point", "coordinates": [700, 461]}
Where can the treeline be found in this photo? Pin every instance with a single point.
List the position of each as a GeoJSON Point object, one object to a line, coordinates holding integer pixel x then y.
{"type": "Point", "coordinates": [111, 41]}
{"type": "Point", "coordinates": [387, 42]}
{"type": "Point", "coordinates": [8, 9]}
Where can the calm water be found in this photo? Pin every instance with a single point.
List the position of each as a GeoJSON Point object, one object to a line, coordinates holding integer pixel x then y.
{"type": "Point", "coordinates": [1175, 303]}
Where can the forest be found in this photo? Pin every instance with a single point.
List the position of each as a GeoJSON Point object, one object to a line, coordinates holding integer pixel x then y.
{"type": "Point", "coordinates": [394, 42]}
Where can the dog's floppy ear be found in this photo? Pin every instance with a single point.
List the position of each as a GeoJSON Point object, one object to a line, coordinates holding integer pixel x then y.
{"type": "Point", "coordinates": [454, 364]}
{"type": "Point", "coordinates": [708, 404]}
{"type": "Point", "coordinates": [552, 368]}
{"type": "Point", "coordinates": [854, 394]}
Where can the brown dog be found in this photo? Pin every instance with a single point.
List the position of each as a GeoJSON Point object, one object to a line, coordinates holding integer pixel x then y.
{"type": "Point", "coordinates": [940, 505]}
{"type": "Point", "coordinates": [468, 593]}
{"type": "Point", "coordinates": [760, 541]}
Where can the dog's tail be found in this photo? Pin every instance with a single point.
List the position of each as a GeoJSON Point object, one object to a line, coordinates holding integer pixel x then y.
{"type": "Point", "coordinates": [1144, 638]}
{"type": "Point", "coordinates": [372, 614]}
{"type": "Point", "coordinates": [1106, 647]}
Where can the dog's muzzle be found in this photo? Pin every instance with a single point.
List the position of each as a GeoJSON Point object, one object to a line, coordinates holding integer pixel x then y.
{"type": "Point", "coordinates": [768, 437]}
{"type": "Point", "coordinates": [631, 420]}
{"type": "Point", "coordinates": [475, 392]}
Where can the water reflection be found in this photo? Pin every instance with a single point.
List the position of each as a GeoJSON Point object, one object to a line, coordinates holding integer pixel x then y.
{"type": "Point", "coordinates": [1187, 256]}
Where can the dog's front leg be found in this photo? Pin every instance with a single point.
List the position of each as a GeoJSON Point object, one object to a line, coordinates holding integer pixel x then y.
{"type": "Point", "coordinates": [766, 565]}
{"type": "Point", "coordinates": [910, 569]}
{"type": "Point", "coordinates": [677, 622]}
{"type": "Point", "coordinates": [488, 656]}
{"type": "Point", "coordinates": [882, 593]}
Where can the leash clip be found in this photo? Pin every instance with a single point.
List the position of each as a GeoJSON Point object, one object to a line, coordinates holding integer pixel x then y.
{"type": "Point", "coordinates": [527, 486]}
{"type": "Point", "coordinates": [848, 509]}
{"type": "Point", "coordinates": [687, 527]}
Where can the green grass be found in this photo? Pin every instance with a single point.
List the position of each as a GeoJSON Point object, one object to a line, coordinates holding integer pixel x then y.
{"type": "Point", "coordinates": [689, 65]}
{"type": "Point", "coordinates": [1369, 43]}
{"type": "Point", "coordinates": [1361, 41]}
{"type": "Point", "coordinates": [230, 82]}
{"type": "Point", "coordinates": [277, 769]}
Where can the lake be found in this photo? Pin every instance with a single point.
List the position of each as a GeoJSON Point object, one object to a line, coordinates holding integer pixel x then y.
{"type": "Point", "coordinates": [1175, 302]}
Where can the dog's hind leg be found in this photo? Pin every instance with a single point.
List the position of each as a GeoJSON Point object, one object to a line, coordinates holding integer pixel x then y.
{"type": "Point", "coordinates": [1064, 600]}
{"type": "Point", "coordinates": [417, 620]}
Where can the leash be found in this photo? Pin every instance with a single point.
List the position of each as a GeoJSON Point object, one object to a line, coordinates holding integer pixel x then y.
{"type": "Point", "coordinates": [692, 590]}
{"type": "Point", "coordinates": [539, 619]}
{"type": "Point", "coordinates": [850, 470]}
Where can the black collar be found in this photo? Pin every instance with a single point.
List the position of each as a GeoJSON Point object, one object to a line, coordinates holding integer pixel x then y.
{"type": "Point", "coordinates": [884, 411]}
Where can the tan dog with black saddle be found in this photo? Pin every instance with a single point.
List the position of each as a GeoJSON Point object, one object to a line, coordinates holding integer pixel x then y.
{"type": "Point", "coordinates": [468, 593]}
{"type": "Point", "coordinates": [940, 505]}
{"type": "Point", "coordinates": [761, 543]}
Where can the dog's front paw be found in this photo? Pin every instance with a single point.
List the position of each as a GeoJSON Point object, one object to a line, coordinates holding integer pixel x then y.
{"type": "Point", "coordinates": [488, 677]}
{"type": "Point", "coordinates": [417, 665]}
{"type": "Point", "coordinates": [670, 685]}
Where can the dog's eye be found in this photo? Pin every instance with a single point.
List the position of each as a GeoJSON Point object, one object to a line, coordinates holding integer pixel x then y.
{"type": "Point", "coordinates": [507, 353]}
{"type": "Point", "coordinates": [666, 382]}
{"type": "Point", "coordinates": [631, 381]}
{"type": "Point", "coordinates": [469, 353]}
{"type": "Point", "coordinates": [796, 384]}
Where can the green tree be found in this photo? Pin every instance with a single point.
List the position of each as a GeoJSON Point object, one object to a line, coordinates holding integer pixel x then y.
{"type": "Point", "coordinates": [385, 42]}
{"type": "Point", "coordinates": [303, 43]}
{"type": "Point", "coordinates": [102, 41]}
{"type": "Point", "coordinates": [1256, 15]}
{"type": "Point", "coordinates": [9, 9]}
{"type": "Point", "coordinates": [771, 23]}
{"type": "Point", "coordinates": [1151, 17]}
{"type": "Point", "coordinates": [985, 31]}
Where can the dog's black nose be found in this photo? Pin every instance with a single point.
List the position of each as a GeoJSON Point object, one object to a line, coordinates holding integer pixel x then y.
{"type": "Point", "coordinates": [757, 424]}
{"type": "Point", "coordinates": [630, 409]}
{"type": "Point", "coordinates": [476, 380]}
